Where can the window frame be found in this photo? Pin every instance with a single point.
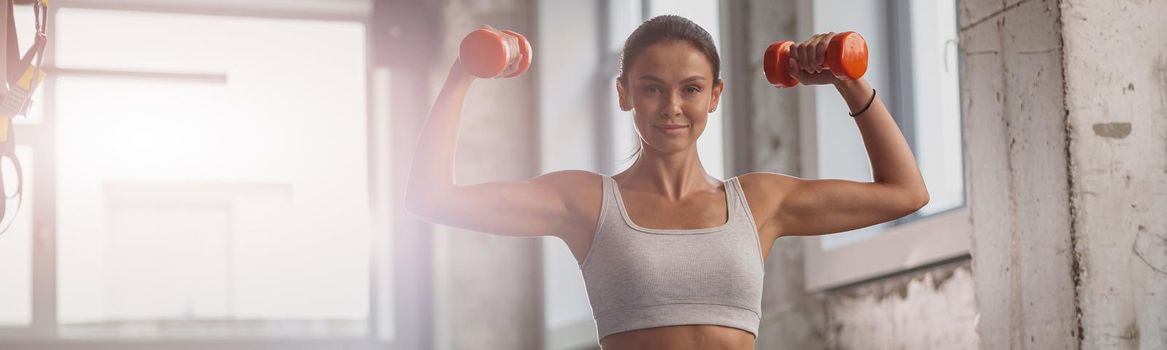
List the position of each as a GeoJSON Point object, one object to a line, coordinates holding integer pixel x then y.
{"type": "Point", "coordinates": [43, 330]}
{"type": "Point", "coordinates": [910, 242]}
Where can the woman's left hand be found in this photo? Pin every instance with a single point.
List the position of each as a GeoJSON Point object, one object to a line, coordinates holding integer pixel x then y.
{"type": "Point", "coordinates": [807, 58]}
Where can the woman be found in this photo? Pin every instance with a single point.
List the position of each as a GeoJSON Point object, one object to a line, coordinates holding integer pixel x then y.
{"type": "Point", "coordinates": [672, 257]}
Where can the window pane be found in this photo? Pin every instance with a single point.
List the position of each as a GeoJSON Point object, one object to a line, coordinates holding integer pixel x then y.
{"type": "Point", "coordinates": [840, 149]}
{"type": "Point", "coordinates": [16, 246]}
{"type": "Point", "coordinates": [938, 135]}
{"type": "Point", "coordinates": [624, 17]}
{"type": "Point", "coordinates": [238, 206]}
{"type": "Point", "coordinates": [936, 116]}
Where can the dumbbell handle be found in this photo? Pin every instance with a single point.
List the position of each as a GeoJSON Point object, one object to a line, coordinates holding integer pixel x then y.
{"type": "Point", "coordinates": [846, 58]}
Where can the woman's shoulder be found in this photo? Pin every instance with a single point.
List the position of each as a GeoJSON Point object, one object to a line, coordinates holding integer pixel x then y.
{"type": "Point", "coordinates": [580, 188]}
{"type": "Point", "coordinates": [766, 182]}
{"type": "Point", "coordinates": [569, 178]}
{"type": "Point", "coordinates": [762, 188]}
{"type": "Point", "coordinates": [582, 193]}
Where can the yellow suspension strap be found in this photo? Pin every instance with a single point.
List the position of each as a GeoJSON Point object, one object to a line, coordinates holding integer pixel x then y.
{"type": "Point", "coordinates": [24, 76]}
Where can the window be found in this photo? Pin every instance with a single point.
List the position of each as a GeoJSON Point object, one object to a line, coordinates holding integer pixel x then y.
{"type": "Point", "coordinates": [935, 110]}
{"type": "Point", "coordinates": [913, 54]}
{"type": "Point", "coordinates": [213, 178]}
{"type": "Point", "coordinates": [178, 190]}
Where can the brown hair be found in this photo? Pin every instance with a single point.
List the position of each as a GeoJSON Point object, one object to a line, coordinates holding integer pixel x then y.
{"type": "Point", "coordinates": [666, 28]}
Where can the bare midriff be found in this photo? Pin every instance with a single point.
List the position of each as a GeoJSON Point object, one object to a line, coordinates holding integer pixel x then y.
{"type": "Point", "coordinates": [687, 337]}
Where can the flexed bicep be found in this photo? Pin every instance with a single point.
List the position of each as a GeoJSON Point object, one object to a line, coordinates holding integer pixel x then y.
{"type": "Point", "coordinates": [799, 207]}
{"type": "Point", "coordinates": [817, 207]}
{"type": "Point", "coordinates": [536, 207]}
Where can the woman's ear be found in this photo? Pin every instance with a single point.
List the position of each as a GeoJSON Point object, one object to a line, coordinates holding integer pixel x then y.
{"type": "Point", "coordinates": [718, 87]}
{"type": "Point", "coordinates": [623, 96]}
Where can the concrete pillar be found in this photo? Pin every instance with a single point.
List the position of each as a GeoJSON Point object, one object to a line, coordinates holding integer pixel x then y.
{"type": "Point", "coordinates": [1015, 136]}
{"type": "Point", "coordinates": [1115, 57]}
{"type": "Point", "coordinates": [1064, 104]}
{"type": "Point", "coordinates": [765, 123]}
{"type": "Point", "coordinates": [488, 288]}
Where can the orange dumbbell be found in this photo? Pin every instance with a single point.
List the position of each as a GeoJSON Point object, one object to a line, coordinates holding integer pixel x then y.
{"type": "Point", "coordinates": [490, 53]}
{"type": "Point", "coordinates": [846, 59]}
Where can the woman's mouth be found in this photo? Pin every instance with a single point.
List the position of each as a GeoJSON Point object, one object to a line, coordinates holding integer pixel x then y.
{"type": "Point", "coordinates": [672, 129]}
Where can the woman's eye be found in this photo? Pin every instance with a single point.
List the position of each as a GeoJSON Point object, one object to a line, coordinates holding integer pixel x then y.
{"type": "Point", "coordinates": [653, 89]}
{"type": "Point", "coordinates": [693, 90]}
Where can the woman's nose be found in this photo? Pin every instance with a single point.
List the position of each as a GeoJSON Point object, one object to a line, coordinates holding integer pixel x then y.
{"type": "Point", "coordinates": [672, 105]}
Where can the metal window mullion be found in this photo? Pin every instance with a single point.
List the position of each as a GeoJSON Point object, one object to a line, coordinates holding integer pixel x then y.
{"type": "Point", "coordinates": [604, 137]}
{"type": "Point", "coordinates": [44, 209]}
{"type": "Point", "coordinates": [372, 160]}
{"type": "Point", "coordinates": [210, 78]}
{"type": "Point", "coordinates": [739, 151]}
{"type": "Point", "coordinates": [903, 67]}
{"type": "Point", "coordinates": [903, 85]}
{"type": "Point", "coordinates": [964, 169]}
{"type": "Point", "coordinates": [337, 12]}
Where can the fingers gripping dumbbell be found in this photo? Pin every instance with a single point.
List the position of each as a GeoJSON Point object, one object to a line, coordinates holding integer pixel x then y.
{"type": "Point", "coordinates": [846, 58]}
{"type": "Point", "coordinates": [491, 53]}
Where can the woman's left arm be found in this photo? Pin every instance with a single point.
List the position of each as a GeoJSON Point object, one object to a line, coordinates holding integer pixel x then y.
{"type": "Point", "coordinates": [815, 207]}
{"type": "Point", "coordinates": [892, 162]}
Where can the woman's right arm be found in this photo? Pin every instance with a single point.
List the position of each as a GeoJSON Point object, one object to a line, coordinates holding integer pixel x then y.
{"type": "Point", "coordinates": [534, 207]}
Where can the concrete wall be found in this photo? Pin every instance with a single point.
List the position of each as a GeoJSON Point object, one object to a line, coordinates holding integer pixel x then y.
{"type": "Point", "coordinates": [930, 309]}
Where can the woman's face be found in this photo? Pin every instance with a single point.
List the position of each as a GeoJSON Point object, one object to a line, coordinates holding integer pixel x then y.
{"type": "Point", "coordinates": [670, 91]}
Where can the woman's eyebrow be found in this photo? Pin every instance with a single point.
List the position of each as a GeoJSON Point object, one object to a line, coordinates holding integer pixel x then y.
{"type": "Point", "coordinates": [654, 78]}
{"type": "Point", "coordinates": [651, 77]}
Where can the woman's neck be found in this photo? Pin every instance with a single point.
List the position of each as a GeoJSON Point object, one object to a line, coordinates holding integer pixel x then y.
{"type": "Point", "coordinates": [673, 175]}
